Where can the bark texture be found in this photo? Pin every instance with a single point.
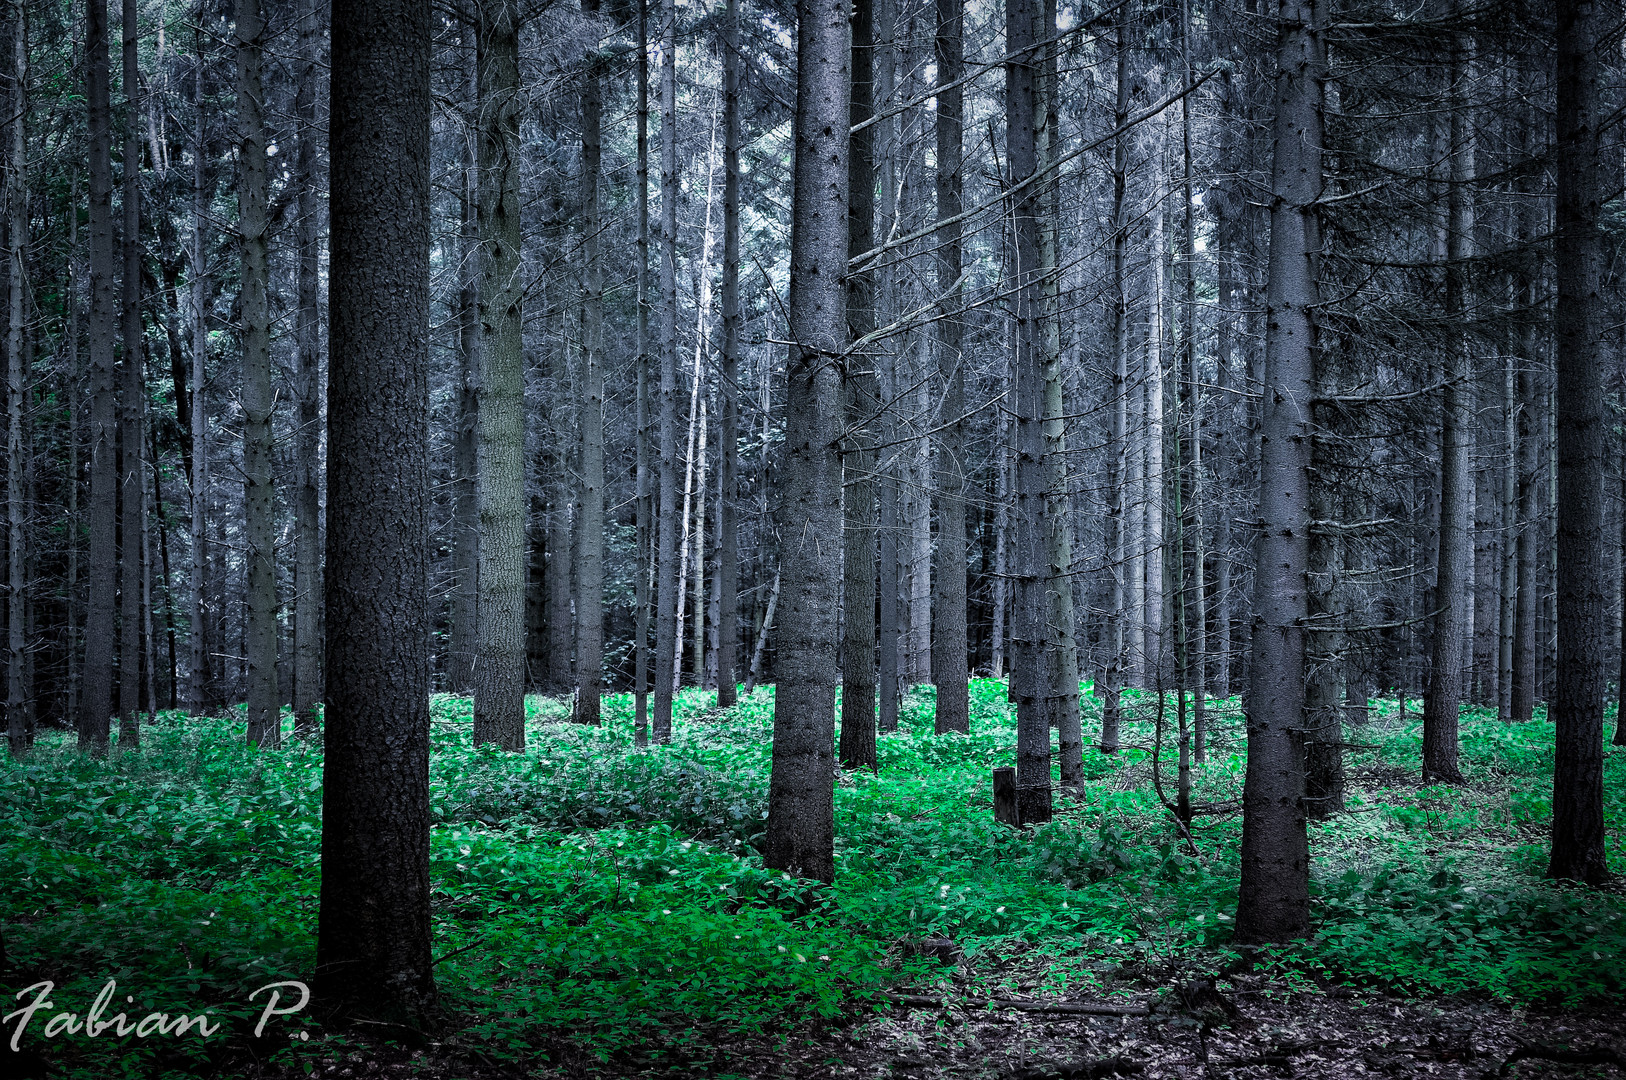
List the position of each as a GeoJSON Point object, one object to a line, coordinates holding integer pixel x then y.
{"type": "Point", "coordinates": [950, 664]}
{"type": "Point", "coordinates": [308, 364]}
{"type": "Point", "coordinates": [862, 401]}
{"type": "Point", "coordinates": [801, 795]}
{"type": "Point", "coordinates": [259, 495]}
{"type": "Point", "coordinates": [590, 560]}
{"type": "Point", "coordinates": [1580, 677]}
{"type": "Point", "coordinates": [499, 667]}
{"type": "Point", "coordinates": [1453, 620]}
{"type": "Point", "coordinates": [96, 698]}
{"type": "Point", "coordinates": [1030, 664]}
{"type": "Point", "coordinates": [372, 950]}
{"type": "Point", "coordinates": [1273, 902]}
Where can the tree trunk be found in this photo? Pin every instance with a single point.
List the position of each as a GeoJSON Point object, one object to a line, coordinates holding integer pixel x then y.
{"type": "Point", "coordinates": [200, 683]}
{"type": "Point", "coordinates": [465, 599]}
{"type": "Point", "coordinates": [1152, 611]}
{"type": "Point", "coordinates": [590, 560]}
{"type": "Point", "coordinates": [1580, 678]}
{"type": "Point", "coordinates": [308, 349]}
{"type": "Point", "coordinates": [259, 507]}
{"type": "Point", "coordinates": [1508, 601]}
{"type": "Point", "coordinates": [1031, 684]}
{"type": "Point", "coordinates": [1273, 902]}
{"type": "Point", "coordinates": [132, 444]}
{"type": "Point", "coordinates": [643, 564]}
{"type": "Point", "coordinates": [1453, 619]}
{"type": "Point", "coordinates": [499, 670]}
{"type": "Point", "coordinates": [373, 933]}
{"type": "Point", "coordinates": [862, 401]}
{"type": "Point", "coordinates": [801, 796]}
{"type": "Point", "coordinates": [950, 665]}
{"type": "Point", "coordinates": [1195, 674]}
{"type": "Point", "coordinates": [727, 624]}
{"type": "Point", "coordinates": [96, 700]}
{"type": "Point", "coordinates": [1112, 673]}
{"type": "Point", "coordinates": [1060, 644]}
{"type": "Point", "coordinates": [666, 519]}
{"type": "Point", "coordinates": [17, 691]}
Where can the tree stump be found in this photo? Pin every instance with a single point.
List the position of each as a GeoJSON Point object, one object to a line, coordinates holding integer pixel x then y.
{"type": "Point", "coordinates": [1005, 797]}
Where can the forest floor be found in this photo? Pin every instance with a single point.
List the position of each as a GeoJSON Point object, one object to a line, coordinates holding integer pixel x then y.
{"type": "Point", "coordinates": [601, 911]}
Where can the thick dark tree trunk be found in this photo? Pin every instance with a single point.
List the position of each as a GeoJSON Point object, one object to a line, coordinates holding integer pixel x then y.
{"type": "Point", "coordinates": [499, 669]}
{"type": "Point", "coordinates": [590, 560]}
{"type": "Point", "coordinates": [950, 665]}
{"type": "Point", "coordinates": [259, 406]}
{"type": "Point", "coordinates": [801, 795]}
{"type": "Point", "coordinates": [462, 646]}
{"type": "Point", "coordinates": [372, 950]}
{"type": "Point", "coordinates": [1581, 678]}
{"type": "Point", "coordinates": [96, 699]}
{"type": "Point", "coordinates": [1031, 682]}
{"type": "Point", "coordinates": [1273, 903]}
{"type": "Point", "coordinates": [308, 349]}
{"type": "Point", "coordinates": [862, 401]}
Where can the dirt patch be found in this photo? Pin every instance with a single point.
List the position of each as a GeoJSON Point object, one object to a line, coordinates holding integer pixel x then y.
{"type": "Point", "coordinates": [1248, 1029]}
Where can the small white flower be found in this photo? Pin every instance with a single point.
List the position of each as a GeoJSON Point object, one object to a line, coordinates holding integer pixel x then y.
{"type": "Point", "coordinates": [1000, 910]}
{"type": "Point", "coordinates": [666, 911]}
{"type": "Point", "coordinates": [783, 949]}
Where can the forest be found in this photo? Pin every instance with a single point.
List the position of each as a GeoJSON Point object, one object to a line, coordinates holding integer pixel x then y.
{"type": "Point", "coordinates": [1021, 539]}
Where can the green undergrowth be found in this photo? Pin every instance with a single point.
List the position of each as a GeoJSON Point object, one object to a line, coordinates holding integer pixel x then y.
{"type": "Point", "coordinates": [613, 897]}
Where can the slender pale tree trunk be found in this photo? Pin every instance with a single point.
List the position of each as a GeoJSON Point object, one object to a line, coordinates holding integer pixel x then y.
{"type": "Point", "coordinates": [666, 516]}
{"type": "Point", "coordinates": [96, 702]}
{"type": "Point", "coordinates": [1580, 678]}
{"type": "Point", "coordinates": [17, 734]}
{"type": "Point", "coordinates": [862, 399]}
{"type": "Point", "coordinates": [1453, 620]}
{"type": "Point", "coordinates": [950, 664]}
{"type": "Point", "coordinates": [644, 564]}
{"type": "Point", "coordinates": [1273, 902]}
{"type": "Point", "coordinates": [1152, 610]}
{"type": "Point", "coordinates": [590, 560]}
{"type": "Point", "coordinates": [259, 506]}
{"type": "Point", "coordinates": [1030, 670]}
{"type": "Point", "coordinates": [499, 670]}
{"type": "Point", "coordinates": [1134, 566]}
{"type": "Point", "coordinates": [308, 349]}
{"type": "Point", "coordinates": [727, 622]}
{"type": "Point", "coordinates": [697, 635]}
{"type": "Point", "coordinates": [801, 795]}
